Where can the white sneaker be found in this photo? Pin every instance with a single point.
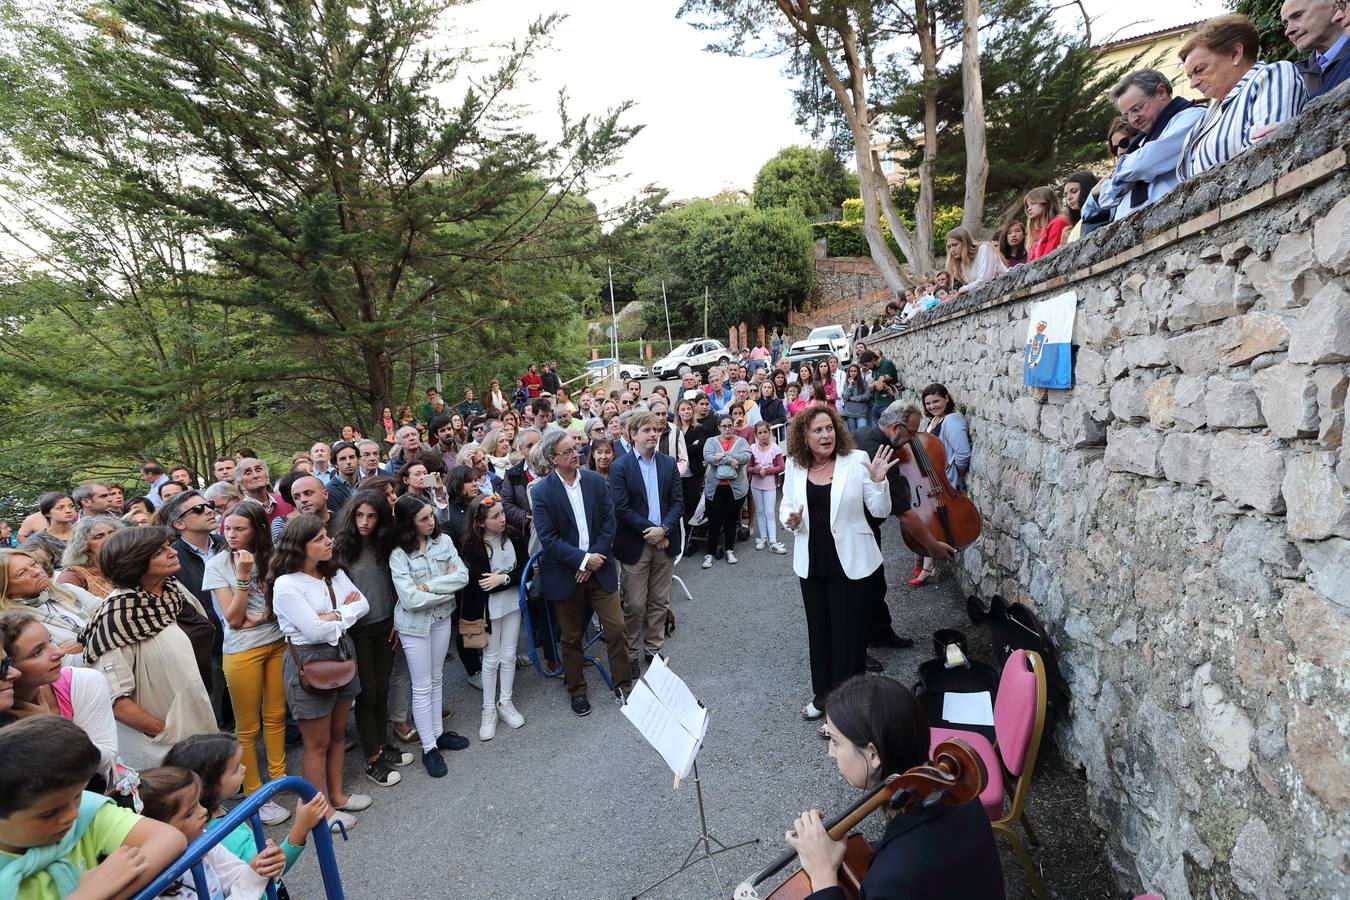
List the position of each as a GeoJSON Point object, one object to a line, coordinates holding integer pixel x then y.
{"type": "Point", "coordinates": [273, 813]}
{"type": "Point", "coordinates": [731, 557]}
{"type": "Point", "coordinates": [777, 547]}
{"type": "Point", "coordinates": [347, 820]}
{"type": "Point", "coordinates": [356, 803]}
{"type": "Point", "coordinates": [488, 730]}
{"type": "Point", "coordinates": [708, 561]}
{"type": "Point", "coordinates": [759, 543]}
{"type": "Point", "coordinates": [510, 715]}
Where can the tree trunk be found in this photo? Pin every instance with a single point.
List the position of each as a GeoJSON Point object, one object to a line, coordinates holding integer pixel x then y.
{"type": "Point", "coordinates": [926, 24]}
{"type": "Point", "coordinates": [380, 372]}
{"type": "Point", "coordinates": [977, 162]}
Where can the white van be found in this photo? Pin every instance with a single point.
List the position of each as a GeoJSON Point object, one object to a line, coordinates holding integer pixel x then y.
{"type": "Point", "coordinates": [699, 355]}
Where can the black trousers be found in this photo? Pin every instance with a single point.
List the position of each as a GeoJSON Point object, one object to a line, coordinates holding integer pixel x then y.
{"type": "Point", "coordinates": [724, 514]}
{"type": "Point", "coordinates": [879, 625]}
{"type": "Point", "coordinates": [837, 614]}
{"type": "Point", "coordinates": [374, 666]}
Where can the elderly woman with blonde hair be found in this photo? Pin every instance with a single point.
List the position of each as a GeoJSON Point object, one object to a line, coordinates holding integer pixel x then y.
{"type": "Point", "coordinates": [79, 564]}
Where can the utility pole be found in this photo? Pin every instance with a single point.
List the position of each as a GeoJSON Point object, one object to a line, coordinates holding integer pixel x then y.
{"type": "Point", "coordinates": [613, 316]}
{"type": "Point", "coordinates": [857, 280]}
{"type": "Point", "coordinates": [669, 340]}
{"type": "Point", "coordinates": [705, 310]}
{"type": "Point", "coordinates": [436, 352]}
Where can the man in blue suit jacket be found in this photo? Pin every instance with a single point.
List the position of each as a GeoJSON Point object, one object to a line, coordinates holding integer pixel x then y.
{"type": "Point", "coordinates": [574, 520]}
{"type": "Point", "coordinates": [648, 502]}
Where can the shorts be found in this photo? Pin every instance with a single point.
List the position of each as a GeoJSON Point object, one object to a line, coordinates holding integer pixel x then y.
{"type": "Point", "coordinates": [303, 704]}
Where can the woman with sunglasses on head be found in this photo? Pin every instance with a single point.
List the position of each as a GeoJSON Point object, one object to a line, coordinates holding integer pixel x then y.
{"type": "Point", "coordinates": [254, 650]}
{"type": "Point", "coordinates": [495, 572]}
{"type": "Point", "coordinates": [427, 573]}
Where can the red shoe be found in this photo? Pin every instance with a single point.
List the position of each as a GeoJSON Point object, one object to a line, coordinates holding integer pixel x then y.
{"type": "Point", "coordinates": [918, 570]}
{"type": "Point", "coordinates": [922, 578]}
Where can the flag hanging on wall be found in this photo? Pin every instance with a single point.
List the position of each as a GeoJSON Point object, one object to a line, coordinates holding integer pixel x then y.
{"type": "Point", "coordinates": [1048, 359]}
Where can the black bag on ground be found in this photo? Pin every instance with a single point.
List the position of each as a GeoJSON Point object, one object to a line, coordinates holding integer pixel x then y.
{"type": "Point", "coordinates": [1014, 626]}
{"type": "Point", "coordinates": [936, 681]}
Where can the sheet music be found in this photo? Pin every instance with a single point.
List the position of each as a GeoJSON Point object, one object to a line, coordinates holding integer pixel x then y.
{"type": "Point", "coordinates": [665, 712]}
{"type": "Point", "coordinates": [968, 709]}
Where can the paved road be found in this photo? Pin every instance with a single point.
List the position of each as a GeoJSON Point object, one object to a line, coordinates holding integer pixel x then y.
{"type": "Point", "coordinates": [583, 808]}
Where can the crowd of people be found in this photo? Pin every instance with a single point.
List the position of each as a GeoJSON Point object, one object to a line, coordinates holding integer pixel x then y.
{"type": "Point", "coordinates": [1158, 141]}
{"type": "Point", "coordinates": [190, 631]}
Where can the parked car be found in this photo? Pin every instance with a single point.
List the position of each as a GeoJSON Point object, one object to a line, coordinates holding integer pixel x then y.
{"type": "Point", "coordinates": [809, 350]}
{"type": "Point", "coordinates": [626, 370]}
{"type": "Point", "coordinates": [840, 345]}
{"type": "Point", "coordinates": [698, 355]}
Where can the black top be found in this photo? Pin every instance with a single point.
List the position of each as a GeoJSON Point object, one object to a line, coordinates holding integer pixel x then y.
{"type": "Point", "coordinates": [933, 854]}
{"type": "Point", "coordinates": [824, 558]}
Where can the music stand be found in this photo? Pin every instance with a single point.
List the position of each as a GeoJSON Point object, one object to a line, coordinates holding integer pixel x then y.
{"type": "Point", "coordinates": [705, 840]}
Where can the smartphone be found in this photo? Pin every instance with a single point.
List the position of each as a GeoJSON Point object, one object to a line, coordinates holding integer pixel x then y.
{"type": "Point", "coordinates": [429, 481]}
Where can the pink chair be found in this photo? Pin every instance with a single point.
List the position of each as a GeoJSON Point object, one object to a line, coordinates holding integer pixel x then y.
{"type": "Point", "coordinates": [1019, 719]}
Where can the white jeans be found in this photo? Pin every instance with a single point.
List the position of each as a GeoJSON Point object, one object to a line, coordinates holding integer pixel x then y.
{"type": "Point", "coordinates": [426, 663]}
{"type": "Point", "coordinates": [499, 656]}
{"type": "Point", "coordinates": [765, 518]}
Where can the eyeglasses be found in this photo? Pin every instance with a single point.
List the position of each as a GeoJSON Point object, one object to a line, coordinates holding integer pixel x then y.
{"type": "Point", "coordinates": [5, 665]}
{"type": "Point", "coordinates": [571, 451]}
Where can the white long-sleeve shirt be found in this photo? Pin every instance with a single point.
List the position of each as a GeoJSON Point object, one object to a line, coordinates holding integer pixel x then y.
{"type": "Point", "coordinates": [298, 599]}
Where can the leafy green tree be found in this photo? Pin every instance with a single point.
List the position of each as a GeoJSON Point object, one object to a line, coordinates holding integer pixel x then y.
{"type": "Point", "coordinates": [1265, 15]}
{"type": "Point", "coordinates": [811, 180]}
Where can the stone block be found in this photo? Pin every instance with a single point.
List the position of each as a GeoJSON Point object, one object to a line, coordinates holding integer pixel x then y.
{"type": "Point", "coordinates": [1256, 861]}
{"type": "Point", "coordinates": [1248, 470]}
{"type": "Point", "coordinates": [1318, 507]}
{"type": "Point", "coordinates": [1089, 367]}
{"type": "Point", "coordinates": [1116, 365]}
{"type": "Point", "coordinates": [1288, 399]}
{"type": "Point", "coordinates": [1288, 277]}
{"type": "Point", "coordinates": [1207, 294]}
{"type": "Point", "coordinates": [1147, 352]}
{"type": "Point", "coordinates": [1252, 335]}
{"type": "Point", "coordinates": [1329, 569]}
{"type": "Point", "coordinates": [1027, 413]}
{"type": "Point", "coordinates": [1225, 728]}
{"type": "Point", "coordinates": [1136, 318]}
{"type": "Point", "coordinates": [1236, 251]}
{"type": "Point", "coordinates": [1188, 402]}
{"type": "Point", "coordinates": [1331, 389]}
{"type": "Point", "coordinates": [1079, 427]}
{"type": "Point", "coordinates": [1132, 288]}
{"type": "Point", "coordinates": [1251, 550]}
{"type": "Point", "coordinates": [1321, 755]}
{"type": "Point", "coordinates": [1161, 401]}
{"type": "Point", "coordinates": [1133, 450]}
{"type": "Point", "coordinates": [1128, 400]}
{"type": "Point", "coordinates": [1195, 352]}
{"type": "Point", "coordinates": [1331, 238]}
{"type": "Point", "coordinates": [1231, 404]}
{"type": "Point", "coordinates": [1185, 457]}
{"type": "Point", "coordinates": [1321, 333]}
{"type": "Point", "coordinates": [1320, 631]}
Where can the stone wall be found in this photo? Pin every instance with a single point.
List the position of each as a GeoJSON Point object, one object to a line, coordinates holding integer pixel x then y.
{"type": "Point", "coordinates": [839, 279]}
{"type": "Point", "coordinates": [1180, 518]}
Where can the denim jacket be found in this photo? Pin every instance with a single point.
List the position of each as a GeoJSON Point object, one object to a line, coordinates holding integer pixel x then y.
{"type": "Point", "coordinates": [441, 570]}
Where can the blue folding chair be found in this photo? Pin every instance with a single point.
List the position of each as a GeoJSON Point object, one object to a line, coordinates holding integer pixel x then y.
{"type": "Point", "coordinates": [191, 860]}
{"type": "Point", "coordinates": [540, 666]}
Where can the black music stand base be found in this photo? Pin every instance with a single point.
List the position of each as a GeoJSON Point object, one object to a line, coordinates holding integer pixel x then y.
{"type": "Point", "coordinates": [705, 840]}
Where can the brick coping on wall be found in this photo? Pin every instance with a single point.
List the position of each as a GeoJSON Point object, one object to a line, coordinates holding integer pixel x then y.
{"type": "Point", "coordinates": [1305, 151]}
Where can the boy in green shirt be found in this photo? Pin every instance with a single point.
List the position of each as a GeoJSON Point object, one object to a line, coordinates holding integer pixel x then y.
{"type": "Point", "coordinates": [58, 840]}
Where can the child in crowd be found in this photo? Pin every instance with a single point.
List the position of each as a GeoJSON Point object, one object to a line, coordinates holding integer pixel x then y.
{"type": "Point", "coordinates": [794, 402]}
{"type": "Point", "coordinates": [58, 840]}
{"type": "Point", "coordinates": [766, 464]}
{"type": "Point", "coordinates": [174, 796]}
{"type": "Point", "coordinates": [857, 398]}
{"type": "Point", "coordinates": [218, 760]}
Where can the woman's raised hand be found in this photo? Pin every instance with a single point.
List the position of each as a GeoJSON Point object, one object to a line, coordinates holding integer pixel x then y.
{"type": "Point", "coordinates": [880, 464]}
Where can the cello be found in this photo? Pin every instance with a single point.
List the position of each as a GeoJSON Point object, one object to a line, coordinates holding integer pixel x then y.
{"type": "Point", "coordinates": [948, 514]}
{"type": "Point", "coordinates": [955, 775]}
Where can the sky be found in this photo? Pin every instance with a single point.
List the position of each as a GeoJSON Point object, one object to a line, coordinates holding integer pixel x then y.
{"type": "Point", "coordinates": [710, 121]}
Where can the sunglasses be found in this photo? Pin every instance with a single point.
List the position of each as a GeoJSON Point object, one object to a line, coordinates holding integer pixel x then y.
{"type": "Point", "coordinates": [1120, 148]}
{"type": "Point", "coordinates": [487, 501]}
{"type": "Point", "coordinates": [197, 508]}
{"type": "Point", "coordinates": [5, 665]}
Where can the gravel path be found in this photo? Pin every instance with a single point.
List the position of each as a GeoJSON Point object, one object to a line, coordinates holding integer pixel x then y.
{"type": "Point", "coordinates": [583, 808]}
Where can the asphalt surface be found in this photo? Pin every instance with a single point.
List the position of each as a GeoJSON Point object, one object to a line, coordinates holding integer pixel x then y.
{"type": "Point", "coordinates": [570, 807]}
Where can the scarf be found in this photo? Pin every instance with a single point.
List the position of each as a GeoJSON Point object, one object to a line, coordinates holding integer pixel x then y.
{"type": "Point", "coordinates": [51, 858]}
{"type": "Point", "coordinates": [130, 617]}
{"type": "Point", "coordinates": [53, 617]}
{"type": "Point", "coordinates": [1139, 190]}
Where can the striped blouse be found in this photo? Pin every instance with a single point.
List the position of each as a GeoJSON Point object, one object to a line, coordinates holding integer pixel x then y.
{"type": "Point", "coordinates": [1267, 94]}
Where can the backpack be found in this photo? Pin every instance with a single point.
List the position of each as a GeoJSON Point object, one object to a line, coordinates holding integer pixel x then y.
{"type": "Point", "coordinates": [1014, 626]}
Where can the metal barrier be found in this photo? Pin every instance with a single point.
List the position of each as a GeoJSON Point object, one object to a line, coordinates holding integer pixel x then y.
{"type": "Point", "coordinates": [192, 857]}
{"type": "Point", "coordinates": [589, 377]}
{"type": "Point", "coordinates": [530, 566]}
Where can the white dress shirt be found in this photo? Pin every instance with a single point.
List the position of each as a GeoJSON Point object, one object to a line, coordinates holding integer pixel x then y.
{"type": "Point", "coordinates": [574, 496]}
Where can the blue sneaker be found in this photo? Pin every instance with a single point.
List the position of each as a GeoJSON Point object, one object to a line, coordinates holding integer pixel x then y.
{"type": "Point", "coordinates": [435, 763]}
{"type": "Point", "coordinates": [451, 741]}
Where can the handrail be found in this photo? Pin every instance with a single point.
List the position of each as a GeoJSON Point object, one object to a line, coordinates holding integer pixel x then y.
{"type": "Point", "coordinates": [192, 857]}
{"type": "Point", "coordinates": [606, 373]}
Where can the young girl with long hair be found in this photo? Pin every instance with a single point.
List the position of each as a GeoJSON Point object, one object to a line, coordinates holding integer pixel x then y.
{"type": "Point", "coordinates": [825, 387]}
{"type": "Point", "coordinates": [174, 796]}
{"type": "Point", "coordinates": [1012, 244]}
{"type": "Point", "coordinates": [254, 650]}
{"type": "Point", "coordinates": [766, 464]}
{"type": "Point", "coordinates": [316, 604]}
{"type": "Point", "coordinates": [363, 538]}
{"type": "Point", "coordinates": [495, 571]}
{"type": "Point", "coordinates": [427, 574]}
{"type": "Point", "coordinates": [857, 399]}
{"type": "Point", "coordinates": [971, 264]}
{"type": "Point", "coordinates": [1046, 227]}
{"type": "Point", "coordinates": [218, 761]}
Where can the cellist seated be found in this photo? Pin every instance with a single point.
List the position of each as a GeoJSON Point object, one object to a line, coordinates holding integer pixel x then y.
{"type": "Point", "coordinates": [936, 853]}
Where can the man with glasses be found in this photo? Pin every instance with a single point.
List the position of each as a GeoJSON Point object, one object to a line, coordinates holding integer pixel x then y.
{"type": "Point", "coordinates": [1149, 170]}
{"type": "Point", "coordinates": [193, 517]}
{"type": "Point", "coordinates": [574, 520]}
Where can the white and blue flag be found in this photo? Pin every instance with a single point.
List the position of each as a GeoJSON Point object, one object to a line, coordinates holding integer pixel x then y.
{"type": "Point", "coordinates": [1048, 359]}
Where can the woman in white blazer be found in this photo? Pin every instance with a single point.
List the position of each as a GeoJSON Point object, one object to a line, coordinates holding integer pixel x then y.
{"type": "Point", "coordinates": [827, 489]}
